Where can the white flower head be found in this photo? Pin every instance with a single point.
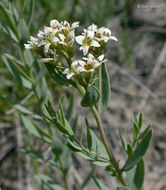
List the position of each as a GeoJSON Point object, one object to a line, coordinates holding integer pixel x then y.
{"type": "Point", "coordinates": [70, 72]}
{"type": "Point", "coordinates": [69, 27]}
{"type": "Point", "coordinates": [67, 40]}
{"type": "Point", "coordinates": [104, 34]}
{"type": "Point", "coordinates": [87, 41]}
{"type": "Point", "coordinates": [48, 37]}
{"type": "Point", "coordinates": [90, 63]}
{"type": "Point", "coordinates": [32, 43]}
{"type": "Point", "coordinates": [55, 24]}
{"type": "Point", "coordinates": [93, 28]}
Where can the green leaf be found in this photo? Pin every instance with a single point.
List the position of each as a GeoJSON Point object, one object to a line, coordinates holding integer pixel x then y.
{"type": "Point", "coordinates": [123, 143]}
{"type": "Point", "coordinates": [140, 120]}
{"type": "Point", "coordinates": [106, 89]}
{"type": "Point", "coordinates": [136, 129]}
{"type": "Point", "coordinates": [91, 96]}
{"type": "Point", "coordinates": [144, 132]}
{"type": "Point", "coordinates": [31, 13]}
{"type": "Point", "coordinates": [75, 124]}
{"type": "Point", "coordinates": [129, 150]}
{"type": "Point", "coordinates": [8, 32]}
{"type": "Point", "coordinates": [139, 152]}
{"type": "Point", "coordinates": [135, 176]}
{"type": "Point", "coordinates": [73, 147]}
{"type": "Point", "coordinates": [14, 62]}
{"type": "Point", "coordinates": [89, 136]}
{"type": "Point", "coordinates": [8, 19]}
{"type": "Point", "coordinates": [38, 157]}
{"type": "Point", "coordinates": [58, 77]}
{"type": "Point", "coordinates": [100, 163]}
{"type": "Point", "coordinates": [35, 130]}
{"type": "Point", "coordinates": [123, 188]}
{"type": "Point", "coordinates": [70, 108]}
{"type": "Point", "coordinates": [97, 144]}
{"type": "Point", "coordinates": [17, 72]}
{"type": "Point", "coordinates": [100, 185]}
{"type": "Point", "coordinates": [24, 32]}
{"type": "Point", "coordinates": [66, 124]}
{"type": "Point", "coordinates": [139, 175]}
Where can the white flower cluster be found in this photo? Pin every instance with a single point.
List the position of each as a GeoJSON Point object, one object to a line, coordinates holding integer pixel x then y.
{"type": "Point", "coordinates": [58, 39]}
{"type": "Point", "coordinates": [94, 37]}
{"type": "Point", "coordinates": [57, 34]}
{"type": "Point", "coordinates": [87, 64]}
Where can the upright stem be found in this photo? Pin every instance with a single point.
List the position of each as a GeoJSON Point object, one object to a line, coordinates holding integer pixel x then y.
{"type": "Point", "coordinates": [104, 140]}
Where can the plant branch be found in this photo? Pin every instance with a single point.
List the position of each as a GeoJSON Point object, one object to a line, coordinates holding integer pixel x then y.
{"type": "Point", "coordinates": [104, 140]}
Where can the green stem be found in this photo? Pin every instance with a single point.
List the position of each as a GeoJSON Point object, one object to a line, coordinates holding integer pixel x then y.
{"type": "Point", "coordinates": [104, 140]}
{"type": "Point", "coordinates": [64, 174]}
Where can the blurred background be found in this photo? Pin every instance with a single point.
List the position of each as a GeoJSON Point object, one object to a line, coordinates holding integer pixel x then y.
{"type": "Point", "coordinates": [137, 68]}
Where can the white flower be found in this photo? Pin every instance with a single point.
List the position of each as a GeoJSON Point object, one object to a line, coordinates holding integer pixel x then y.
{"type": "Point", "coordinates": [71, 71]}
{"type": "Point", "coordinates": [90, 63]}
{"type": "Point", "coordinates": [87, 40]}
{"type": "Point", "coordinates": [104, 34]}
{"type": "Point", "coordinates": [93, 28]}
{"type": "Point", "coordinates": [67, 40]}
{"type": "Point", "coordinates": [32, 43]}
{"type": "Point", "coordinates": [47, 38]}
{"type": "Point", "coordinates": [66, 25]}
{"type": "Point", "coordinates": [55, 24]}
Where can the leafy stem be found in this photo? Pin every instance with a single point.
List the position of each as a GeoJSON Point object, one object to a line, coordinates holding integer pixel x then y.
{"type": "Point", "coordinates": [104, 139]}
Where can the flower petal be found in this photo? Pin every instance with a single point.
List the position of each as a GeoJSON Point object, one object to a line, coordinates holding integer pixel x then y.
{"type": "Point", "coordinates": [79, 39]}
{"type": "Point", "coordinates": [71, 34]}
{"type": "Point", "coordinates": [95, 43]}
{"type": "Point", "coordinates": [62, 37]}
{"type": "Point", "coordinates": [85, 49]}
{"type": "Point", "coordinates": [69, 75]}
{"type": "Point", "coordinates": [66, 71]}
{"type": "Point", "coordinates": [90, 34]}
{"type": "Point", "coordinates": [75, 63]}
{"type": "Point", "coordinates": [27, 46]}
{"type": "Point", "coordinates": [46, 47]}
{"type": "Point", "coordinates": [114, 38]}
{"type": "Point", "coordinates": [56, 39]}
{"type": "Point", "coordinates": [101, 57]}
{"type": "Point", "coordinates": [75, 24]}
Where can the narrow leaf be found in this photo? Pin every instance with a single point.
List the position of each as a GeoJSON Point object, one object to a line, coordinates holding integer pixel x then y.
{"type": "Point", "coordinates": [31, 13]}
{"type": "Point", "coordinates": [106, 89]}
{"type": "Point", "coordinates": [139, 152]}
{"type": "Point", "coordinates": [89, 136]}
{"type": "Point", "coordinates": [70, 108]}
{"type": "Point", "coordinates": [7, 16]}
{"type": "Point", "coordinates": [140, 120]}
{"type": "Point", "coordinates": [34, 129]}
{"type": "Point", "coordinates": [139, 175]}
{"type": "Point", "coordinates": [122, 141]}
